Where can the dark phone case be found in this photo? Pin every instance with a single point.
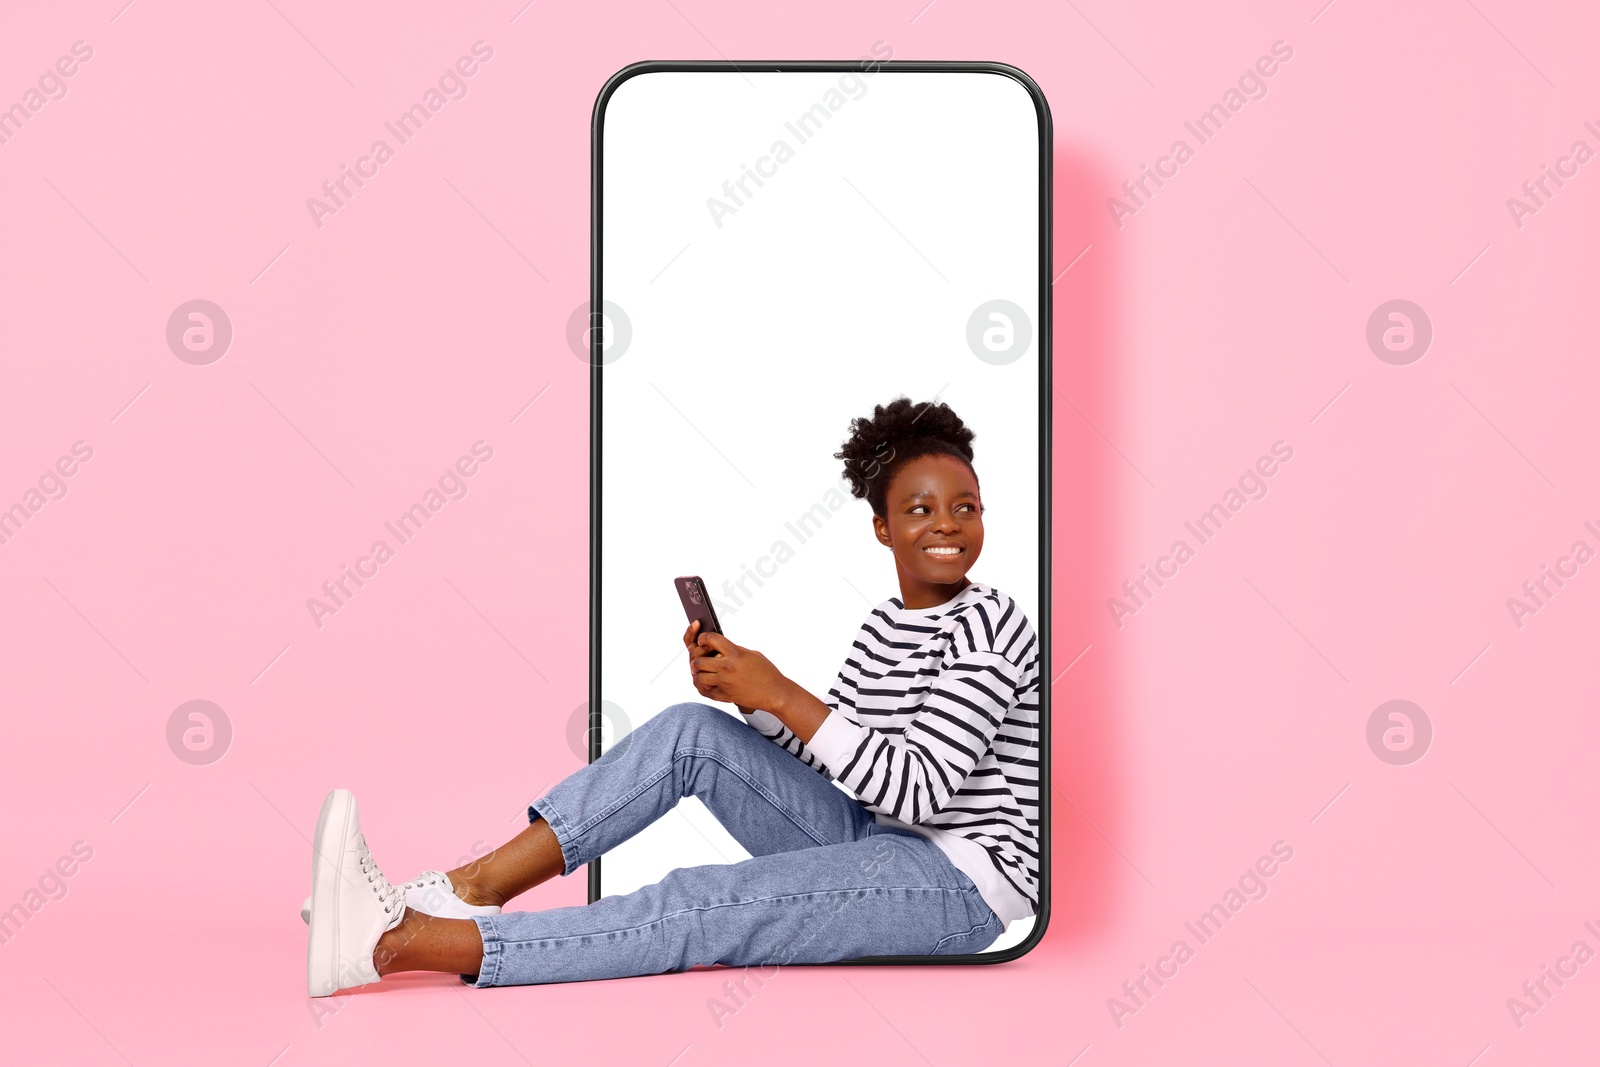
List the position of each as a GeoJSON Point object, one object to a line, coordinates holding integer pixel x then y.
{"type": "Point", "coordinates": [690, 587]}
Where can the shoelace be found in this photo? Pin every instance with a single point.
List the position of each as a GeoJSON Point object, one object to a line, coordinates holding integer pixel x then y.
{"type": "Point", "coordinates": [388, 894]}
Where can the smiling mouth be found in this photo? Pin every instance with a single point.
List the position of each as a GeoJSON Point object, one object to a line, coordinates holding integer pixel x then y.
{"type": "Point", "coordinates": [944, 553]}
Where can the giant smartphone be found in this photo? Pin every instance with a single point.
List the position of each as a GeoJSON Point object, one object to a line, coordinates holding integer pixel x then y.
{"type": "Point", "coordinates": [777, 248]}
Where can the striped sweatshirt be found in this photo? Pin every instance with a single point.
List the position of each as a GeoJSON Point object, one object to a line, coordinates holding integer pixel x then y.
{"type": "Point", "coordinates": [934, 725]}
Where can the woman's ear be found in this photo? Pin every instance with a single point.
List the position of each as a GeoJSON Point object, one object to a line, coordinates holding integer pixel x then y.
{"type": "Point", "coordinates": [881, 528]}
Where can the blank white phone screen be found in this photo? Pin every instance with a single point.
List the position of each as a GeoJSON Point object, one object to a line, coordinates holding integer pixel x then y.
{"type": "Point", "coordinates": [781, 251]}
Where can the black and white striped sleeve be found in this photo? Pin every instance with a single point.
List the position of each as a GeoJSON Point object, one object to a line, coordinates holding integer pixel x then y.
{"type": "Point", "coordinates": [912, 775]}
{"type": "Point", "coordinates": [771, 727]}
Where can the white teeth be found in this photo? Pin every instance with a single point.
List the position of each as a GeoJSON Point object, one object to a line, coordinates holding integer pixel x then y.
{"type": "Point", "coordinates": [942, 550]}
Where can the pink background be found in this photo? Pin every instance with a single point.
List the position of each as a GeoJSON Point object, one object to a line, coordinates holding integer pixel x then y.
{"type": "Point", "coordinates": [1228, 313]}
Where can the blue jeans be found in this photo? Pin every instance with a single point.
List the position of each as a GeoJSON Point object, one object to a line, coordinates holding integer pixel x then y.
{"type": "Point", "coordinates": [825, 881]}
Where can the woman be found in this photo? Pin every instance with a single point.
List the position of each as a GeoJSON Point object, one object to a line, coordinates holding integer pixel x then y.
{"type": "Point", "coordinates": [933, 724]}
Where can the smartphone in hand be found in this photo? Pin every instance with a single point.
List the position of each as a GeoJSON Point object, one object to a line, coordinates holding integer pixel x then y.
{"type": "Point", "coordinates": [697, 603]}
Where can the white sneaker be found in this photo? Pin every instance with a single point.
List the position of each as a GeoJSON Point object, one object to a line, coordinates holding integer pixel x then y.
{"type": "Point", "coordinates": [352, 903]}
{"type": "Point", "coordinates": [430, 893]}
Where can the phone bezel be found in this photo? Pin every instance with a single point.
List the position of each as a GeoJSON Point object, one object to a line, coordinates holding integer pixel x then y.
{"type": "Point", "coordinates": [1044, 340]}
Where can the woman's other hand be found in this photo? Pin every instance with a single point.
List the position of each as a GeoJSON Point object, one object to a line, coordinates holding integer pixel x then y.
{"type": "Point", "coordinates": [740, 676]}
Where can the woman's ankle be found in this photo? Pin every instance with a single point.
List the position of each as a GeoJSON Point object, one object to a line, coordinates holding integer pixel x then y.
{"type": "Point", "coordinates": [471, 886]}
{"type": "Point", "coordinates": [533, 856]}
{"type": "Point", "coordinates": [388, 955]}
{"type": "Point", "coordinates": [426, 943]}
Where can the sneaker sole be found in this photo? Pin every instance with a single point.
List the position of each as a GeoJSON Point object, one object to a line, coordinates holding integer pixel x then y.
{"type": "Point", "coordinates": [322, 944]}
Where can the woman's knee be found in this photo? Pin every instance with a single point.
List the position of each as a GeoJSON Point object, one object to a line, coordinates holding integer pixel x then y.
{"type": "Point", "coordinates": [693, 721]}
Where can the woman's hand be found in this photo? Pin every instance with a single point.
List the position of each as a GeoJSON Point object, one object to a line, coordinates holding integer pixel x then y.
{"type": "Point", "coordinates": [745, 678]}
{"type": "Point", "coordinates": [695, 649]}
{"type": "Point", "coordinates": [742, 676]}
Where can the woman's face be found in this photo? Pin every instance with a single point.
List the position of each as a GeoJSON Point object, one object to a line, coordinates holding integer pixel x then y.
{"type": "Point", "coordinates": [933, 521]}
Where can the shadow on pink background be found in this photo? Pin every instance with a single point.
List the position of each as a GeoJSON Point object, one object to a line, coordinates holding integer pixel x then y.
{"type": "Point", "coordinates": [1230, 713]}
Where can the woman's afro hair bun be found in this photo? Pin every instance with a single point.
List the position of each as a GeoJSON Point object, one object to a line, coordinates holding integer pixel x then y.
{"type": "Point", "coordinates": [896, 433]}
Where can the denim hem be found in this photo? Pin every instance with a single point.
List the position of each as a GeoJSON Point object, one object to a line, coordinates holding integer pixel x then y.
{"type": "Point", "coordinates": [561, 827]}
{"type": "Point", "coordinates": [984, 932]}
{"type": "Point", "coordinates": [493, 950]}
